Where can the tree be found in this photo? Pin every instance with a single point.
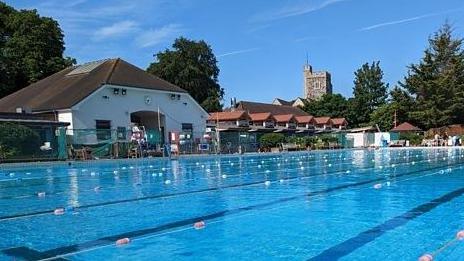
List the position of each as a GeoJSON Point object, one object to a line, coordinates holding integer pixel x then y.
{"type": "Point", "coordinates": [384, 116]}
{"type": "Point", "coordinates": [400, 104]}
{"type": "Point", "coordinates": [332, 105]}
{"type": "Point", "coordinates": [437, 81]}
{"type": "Point", "coordinates": [31, 48]}
{"type": "Point", "coordinates": [270, 140]}
{"type": "Point", "coordinates": [403, 103]}
{"type": "Point", "coordinates": [370, 92]}
{"type": "Point", "coordinates": [18, 140]}
{"type": "Point", "coordinates": [192, 66]}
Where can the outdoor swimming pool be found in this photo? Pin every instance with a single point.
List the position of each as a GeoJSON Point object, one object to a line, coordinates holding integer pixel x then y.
{"type": "Point", "coordinates": [316, 206]}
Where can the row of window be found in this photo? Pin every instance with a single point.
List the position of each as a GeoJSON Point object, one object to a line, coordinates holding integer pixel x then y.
{"type": "Point", "coordinates": [103, 129]}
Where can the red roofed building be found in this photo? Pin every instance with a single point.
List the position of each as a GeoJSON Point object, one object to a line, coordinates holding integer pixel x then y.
{"type": "Point", "coordinates": [306, 122]}
{"type": "Point", "coordinates": [405, 127]}
{"type": "Point", "coordinates": [323, 123]}
{"type": "Point", "coordinates": [264, 119]}
{"type": "Point", "coordinates": [286, 121]}
{"type": "Point", "coordinates": [339, 123]}
{"type": "Point", "coordinates": [230, 118]}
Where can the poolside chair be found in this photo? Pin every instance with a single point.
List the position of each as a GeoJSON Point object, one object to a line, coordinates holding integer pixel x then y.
{"type": "Point", "coordinates": [83, 153]}
{"type": "Point", "coordinates": [133, 151]}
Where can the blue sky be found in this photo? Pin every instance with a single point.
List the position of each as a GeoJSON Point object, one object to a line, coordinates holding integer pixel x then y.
{"type": "Point", "coordinates": [261, 45]}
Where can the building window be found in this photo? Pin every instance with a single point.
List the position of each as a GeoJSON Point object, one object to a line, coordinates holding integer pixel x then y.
{"type": "Point", "coordinates": [103, 128]}
{"type": "Point", "coordinates": [187, 127]}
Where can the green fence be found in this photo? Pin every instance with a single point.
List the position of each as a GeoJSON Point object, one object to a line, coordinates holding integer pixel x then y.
{"type": "Point", "coordinates": [20, 143]}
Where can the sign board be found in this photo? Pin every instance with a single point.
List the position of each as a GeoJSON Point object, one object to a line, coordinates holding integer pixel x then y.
{"type": "Point", "coordinates": [203, 146]}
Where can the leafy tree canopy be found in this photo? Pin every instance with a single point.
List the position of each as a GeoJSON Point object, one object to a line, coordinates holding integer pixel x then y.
{"type": "Point", "coordinates": [437, 82]}
{"type": "Point", "coordinates": [31, 48]}
{"type": "Point", "coordinates": [17, 140]}
{"type": "Point", "coordinates": [270, 140]}
{"type": "Point", "coordinates": [370, 92]}
{"type": "Point", "coordinates": [332, 105]}
{"type": "Point", "coordinates": [400, 104]}
{"type": "Point", "coordinates": [192, 66]}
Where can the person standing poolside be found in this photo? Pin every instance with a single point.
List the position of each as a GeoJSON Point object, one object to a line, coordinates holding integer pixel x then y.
{"type": "Point", "coordinates": [445, 139]}
{"type": "Point", "coordinates": [436, 140]}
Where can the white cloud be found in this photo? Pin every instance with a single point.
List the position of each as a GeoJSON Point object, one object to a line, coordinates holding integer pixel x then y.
{"type": "Point", "coordinates": [406, 20]}
{"type": "Point", "coordinates": [295, 10]}
{"type": "Point", "coordinates": [410, 19]}
{"type": "Point", "coordinates": [156, 36]}
{"type": "Point", "coordinates": [116, 29]}
{"type": "Point", "coordinates": [238, 52]}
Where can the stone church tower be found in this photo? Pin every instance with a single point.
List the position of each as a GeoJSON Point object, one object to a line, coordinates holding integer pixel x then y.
{"type": "Point", "coordinates": [316, 84]}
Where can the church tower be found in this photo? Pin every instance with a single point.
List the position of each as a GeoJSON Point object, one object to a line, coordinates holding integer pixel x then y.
{"type": "Point", "coordinates": [315, 84]}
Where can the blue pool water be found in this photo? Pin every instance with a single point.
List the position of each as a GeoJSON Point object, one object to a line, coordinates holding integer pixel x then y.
{"type": "Point", "coordinates": [390, 204]}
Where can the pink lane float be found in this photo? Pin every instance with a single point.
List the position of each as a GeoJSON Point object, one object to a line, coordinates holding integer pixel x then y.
{"type": "Point", "coordinates": [199, 225]}
{"type": "Point", "coordinates": [429, 257]}
{"type": "Point", "coordinates": [426, 257]}
{"type": "Point", "coordinates": [122, 241]}
{"type": "Point", "coordinates": [460, 235]}
{"type": "Point", "coordinates": [58, 211]}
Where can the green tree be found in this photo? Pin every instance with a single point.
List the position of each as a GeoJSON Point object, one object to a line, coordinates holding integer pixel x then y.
{"type": "Point", "coordinates": [437, 82]}
{"type": "Point", "coordinates": [31, 48]}
{"type": "Point", "coordinates": [192, 66]}
{"type": "Point", "coordinates": [369, 93]}
{"type": "Point", "coordinates": [270, 140]}
{"type": "Point", "coordinates": [400, 105]}
{"type": "Point", "coordinates": [18, 140]}
{"type": "Point", "coordinates": [332, 105]}
{"type": "Point", "coordinates": [403, 104]}
{"type": "Point", "coordinates": [384, 116]}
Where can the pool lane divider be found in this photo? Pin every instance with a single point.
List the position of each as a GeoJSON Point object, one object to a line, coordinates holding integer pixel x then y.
{"type": "Point", "coordinates": [350, 245]}
{"type": "Point", "coordinates": [50, 211]}
{"type": "Point", "coordinates": [231, 176]}
{"type": "Point", "coordinates": [110, 240]}
{"type": "Point", "coordinates": [267, 159]}
{"type": "Point", "coordinates": [15, 182]}
{"type": "Point", "coordinates": [270, 159]}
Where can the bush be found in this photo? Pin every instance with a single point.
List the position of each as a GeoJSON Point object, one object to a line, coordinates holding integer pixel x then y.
{"type": "Point", "coordinates": [303, 142]}
{"type": "Point", "coordinates": [328, 139]}
{"type": "Point", "coordinates": [18, 140]}
{"type": "Point", "coordinates": [270, 140]}
{"type": "Point", "coordinates": [414, 138]}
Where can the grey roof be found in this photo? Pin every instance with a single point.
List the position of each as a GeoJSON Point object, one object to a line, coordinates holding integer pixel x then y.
{"type": "Point", "coordinates": [68, 87]}
{"type": "Point", "coordinates": [256, 107]}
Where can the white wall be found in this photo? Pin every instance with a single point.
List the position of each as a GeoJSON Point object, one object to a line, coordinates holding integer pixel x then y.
{"type": "Point", "coordinates": [66, 116]}
{"type": "Point", "coordinates": [359, 139]}
{"type": "Point", "coordinates": [379, 136]}
{"type": "Point", "coordinates": [117, 109]}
